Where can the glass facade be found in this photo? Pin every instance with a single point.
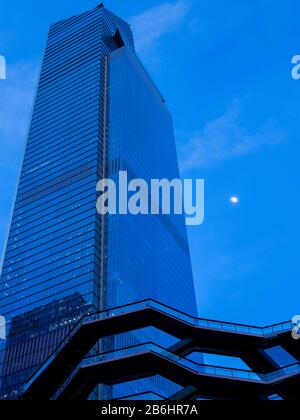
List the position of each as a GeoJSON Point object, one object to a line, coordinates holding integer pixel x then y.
{"type": "Point", "coordinates": [96, 112]}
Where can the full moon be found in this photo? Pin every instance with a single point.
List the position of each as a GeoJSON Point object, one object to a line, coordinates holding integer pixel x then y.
{"type": "Point", "coordinates": [234, 200]}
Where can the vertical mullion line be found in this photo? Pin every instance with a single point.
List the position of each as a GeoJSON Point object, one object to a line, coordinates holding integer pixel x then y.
{"type": "Point", "coordinates": [103, 175]}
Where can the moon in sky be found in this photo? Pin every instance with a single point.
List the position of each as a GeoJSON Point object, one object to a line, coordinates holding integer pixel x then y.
{"type": "Point", "coordinates": [234, 200]}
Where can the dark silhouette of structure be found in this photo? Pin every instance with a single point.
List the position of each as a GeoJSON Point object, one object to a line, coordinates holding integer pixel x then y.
{"type": "Point", "coordinates": [72, 372]}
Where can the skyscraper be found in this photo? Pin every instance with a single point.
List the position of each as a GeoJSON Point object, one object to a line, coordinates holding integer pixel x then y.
{"type": "Point", "coordinates": [96, 112]}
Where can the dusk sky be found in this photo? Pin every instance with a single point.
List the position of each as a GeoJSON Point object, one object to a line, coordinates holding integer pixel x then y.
{"type": "Point", "coordinates": [224, 68]}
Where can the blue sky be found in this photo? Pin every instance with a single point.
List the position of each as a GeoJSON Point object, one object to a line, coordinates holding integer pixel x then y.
{"type": "Point", "coordinates": [225, 70]}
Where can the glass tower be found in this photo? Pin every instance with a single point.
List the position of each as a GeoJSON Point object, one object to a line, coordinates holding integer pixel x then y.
{"type": "Point", "coordinates": [96, 113]}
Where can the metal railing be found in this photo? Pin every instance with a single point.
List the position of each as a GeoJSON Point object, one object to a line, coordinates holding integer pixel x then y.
{"type": "Point", "coordinates": [196, 368]}
{"type": "Point", "coordinates": [200, 323]}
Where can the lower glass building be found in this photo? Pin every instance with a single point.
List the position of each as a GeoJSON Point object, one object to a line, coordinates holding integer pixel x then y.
{"type": "Point", "coordinates": [97, 112]}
